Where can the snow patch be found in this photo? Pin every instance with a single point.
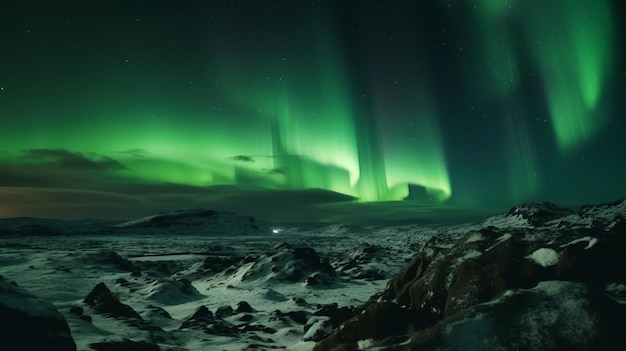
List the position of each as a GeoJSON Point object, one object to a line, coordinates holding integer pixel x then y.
{"type": "Point", "coordinates": [363, 344]}
{"type": "Point", "coordinates": [591, 242]}
{"type": "Point", "coordinates": [474, 238]}
{"type": "Point", "coordinates": [545, 257]}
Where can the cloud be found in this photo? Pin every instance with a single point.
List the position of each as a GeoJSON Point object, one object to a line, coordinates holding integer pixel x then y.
{"type": "Point", "coordinates": [59, 168]}
{"type": "Point", "coordinates": [126, 200]}
{"type": "Point", "coordinates": [65, 203]}
{"type": "Point", "coordinates": [251, 158]}
{"type": "Point", "coordinates": [130, 200]}
{"type": "Point", "coordinates": [242, 158]}
{"type": "Point", "coordinates": [133, 152]}
{"type": "Point", "coordinates": [275, 171]}
{"type": "Point", "coordinates": [75, 160]}
{"type": "Point", "coordinates": [63, 184]}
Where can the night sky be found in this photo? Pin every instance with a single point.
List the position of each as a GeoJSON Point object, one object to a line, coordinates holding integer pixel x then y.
{"type": "Point", "coordinates": [310, 110]}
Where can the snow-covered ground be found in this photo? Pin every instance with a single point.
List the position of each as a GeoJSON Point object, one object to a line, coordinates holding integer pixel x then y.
{"type": "Point", "coordinates": [284, 277]}
{"type": "Point", "coordinates": [206, 280]}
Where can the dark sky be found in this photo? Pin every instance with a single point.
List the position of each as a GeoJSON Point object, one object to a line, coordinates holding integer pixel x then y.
{"type": "Point", "coordinates": [309, 110]}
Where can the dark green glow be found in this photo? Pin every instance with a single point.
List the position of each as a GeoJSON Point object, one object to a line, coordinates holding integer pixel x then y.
{"type": "Point", "coordinates": [266, 126]}
{"type": "Point", "coordinates": [421, 146]}
{"type": "Point", "coordinates": [503, 101]}
{"type": "Point", "coordinates": [499, 56]}
{"type": "Point", "coordinates": [573, 44]}
{"type": "Point", "coordinates": [524, 173]}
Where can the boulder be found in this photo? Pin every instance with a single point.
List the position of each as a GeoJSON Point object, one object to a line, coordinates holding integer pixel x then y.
{"type": "Point", "coordinates": [30, 323]}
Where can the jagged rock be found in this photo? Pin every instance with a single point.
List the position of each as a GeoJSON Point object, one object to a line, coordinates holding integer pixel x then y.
{"type": "Point", "coordinates": [537, 214]}
{"type": "Point", "coordinates": [336, 315]}
{"type": "Point", "coordinates": [158, 312]}
{"type": "Point", "coordinates": [216, 264]}
{"type": "Point", "coordinates": [490, 275]}
{"type": "Point", "coordinates": [370, 274]}
{"type": "Point", "coordinates": [378, 321]}
{"type": "Point", "coordinates": [200, 318]}
{"type": "Point", "coordinates": [223, 311]}
{"type": "Point", "coordinates": [113, 258]}
{"type": "Point", "coordinates": [103, 301]}
{"type": "Point", "coordinates": [242, 307]}
{"type": "Point", "coordinates": [317, 329]}
{"type": "Point", "coordinates": [171, 290]}
{"type": "Point", "coordinates": [291, 265]}
{"type": "Point", "coordinates": [456, 280]}
{"type": "Point", "coordinates": [203, 319]}
{"type": "Point", "coordinates": [299, 317]}
{"type": "Point", "coordinates": [299, 301]}
{"type": "Point", "coordinates": [30, 323]}
{"type": "Point", "coordinates": [246, 318]}
{"type": "Point", "coordinates": [554, 315]}
{"type": "Point", "coordinates": [307, 255]}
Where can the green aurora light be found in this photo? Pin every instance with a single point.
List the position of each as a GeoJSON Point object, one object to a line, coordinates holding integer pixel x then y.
{"type": "Point", "coordinates": [443, 103]}
{"type": "Point", "coordinates": [573, 44]}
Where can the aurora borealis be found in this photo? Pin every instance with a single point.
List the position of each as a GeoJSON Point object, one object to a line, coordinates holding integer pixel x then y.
{"type": "Point", "coordinates": [309, 110]}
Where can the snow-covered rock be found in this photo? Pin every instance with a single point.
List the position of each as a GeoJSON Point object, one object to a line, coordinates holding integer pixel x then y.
{"type": "Point", "coordinates": [291, 264]}
{"type": "Point", "coordinates": [532, 279]}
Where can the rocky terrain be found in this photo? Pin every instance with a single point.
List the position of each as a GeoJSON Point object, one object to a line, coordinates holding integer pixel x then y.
{"type": "Point", "coordinates": [538, 277]}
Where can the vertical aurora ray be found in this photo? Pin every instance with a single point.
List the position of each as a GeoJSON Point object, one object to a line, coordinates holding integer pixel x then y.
{"type": "Point", "coordinates": [496, 18]}
{"type": "Point", "coordinates": [523, 171]}
{"type": "Point", "coordinates": [320, 128]}
{"type": "Point", "coordinates": [314, 124]}
{"type": "Point", "coordinates": [414, 155]}
{"type": "Point", "coordinates": [501, 62]}
{"type": "Point", "coordinates": [573, 44]}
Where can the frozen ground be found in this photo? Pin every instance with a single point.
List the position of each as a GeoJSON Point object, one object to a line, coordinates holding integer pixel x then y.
{"type": "Point", "coordinates": [207, 280]}
{"type": "Point", "coordinates": [166, 278]}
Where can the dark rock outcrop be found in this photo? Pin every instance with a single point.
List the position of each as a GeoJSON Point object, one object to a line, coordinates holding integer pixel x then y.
{"type": "Point", "coordinates": [335, 314]}
{"type": "Point", "coordinates": [473, 285]}
{"type": "Point", "coordinates": [299, 317]}
{"type": "Point", "coordinates": [30, 323]}
{"type": "Point", "coordinates": [356, 263]}
{"type": "Point", "coordinates": [200, 318]}
{"type": "Point", "coordinates": [538, 214]}
{"type": "Point", "coordinates": [103, 301]}
{"type": "Point", "coordinates": [554, 315]}
{"type": "Point", "coordinates": [288, 264]}
{"type": "Point", "coordinates": [242, 307]}
{"type": "Point", "coordinates": [172, 290]}
{"type": "Point", "coordinates": [112, 258]}
{"type": "Point", "coordinates": [223, 311]}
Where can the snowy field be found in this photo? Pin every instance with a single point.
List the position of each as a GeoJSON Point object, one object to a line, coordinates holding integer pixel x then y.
{"type": "Point", "coordinates": [166, 279]}
{"type": "Point", "coordinates": [207, 280]}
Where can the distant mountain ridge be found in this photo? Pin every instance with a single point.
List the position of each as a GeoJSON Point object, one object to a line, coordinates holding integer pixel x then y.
{"type": "Point", "coordinates": [179, 222]}
{"type": "Point", "coordinates": [540, 214]}
{"type": "Point", "coordinates": [196, 222]}
{"type": "Point", "coordinates": [213, 222]}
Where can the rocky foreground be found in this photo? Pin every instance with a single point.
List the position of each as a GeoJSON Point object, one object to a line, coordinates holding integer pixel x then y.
{"type": "Point", "coordinates": [539, 277]}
